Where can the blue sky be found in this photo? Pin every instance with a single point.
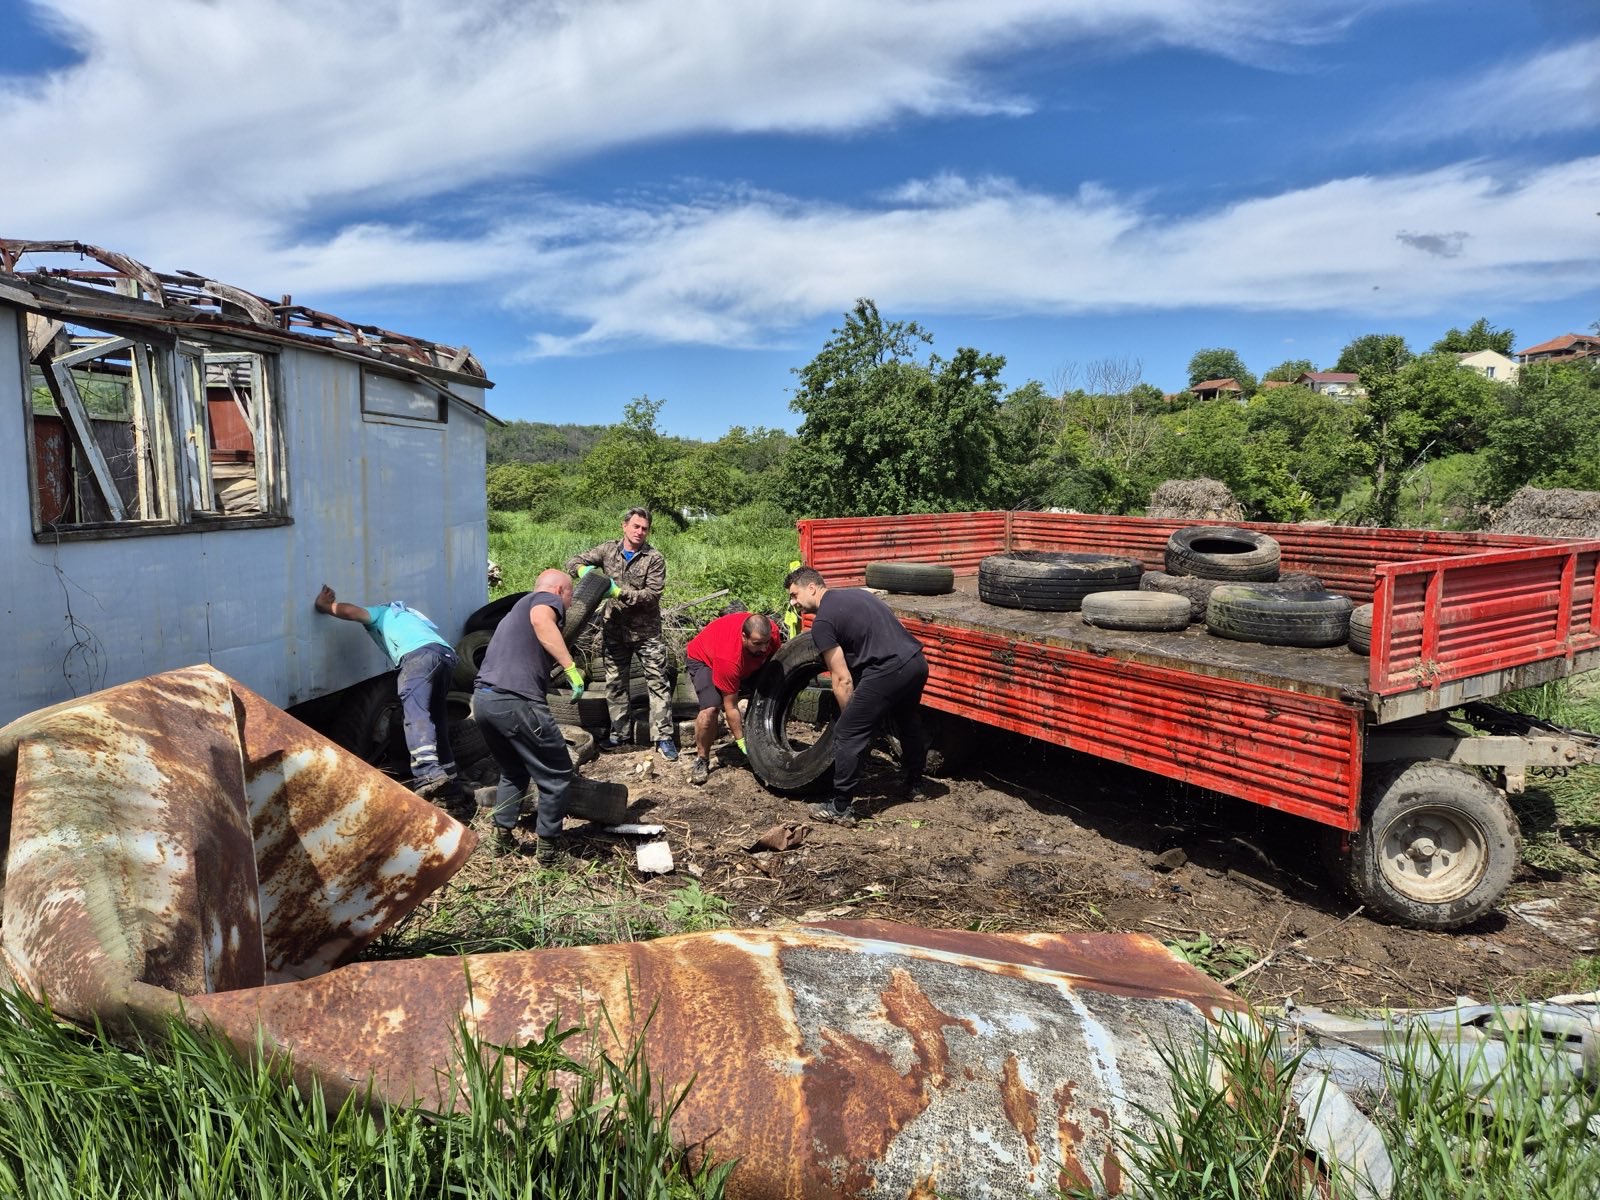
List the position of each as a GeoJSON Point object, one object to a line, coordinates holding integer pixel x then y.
{"type": "Point", "coordinates": [608, 199]}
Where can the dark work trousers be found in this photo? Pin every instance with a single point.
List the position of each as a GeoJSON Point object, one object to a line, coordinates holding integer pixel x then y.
{"type": "Point", "coordinates": [525, 741]}
{"type": "Point", "coordinates": [424, 683]}
{"type": "Point", "coordinates": [896, 693]}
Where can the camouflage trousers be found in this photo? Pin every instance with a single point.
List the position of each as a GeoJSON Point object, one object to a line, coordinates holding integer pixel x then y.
{"type": "Point", "coordinates": [618, 654]}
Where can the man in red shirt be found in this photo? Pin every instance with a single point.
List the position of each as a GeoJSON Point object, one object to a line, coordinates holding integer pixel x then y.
{"type": "Point", "coordinates": [721, 657]}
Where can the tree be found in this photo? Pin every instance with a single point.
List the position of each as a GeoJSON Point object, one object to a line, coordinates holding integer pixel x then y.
{"type": "Point", "coordinates": [632, 460]}
{"type": "Point", "coordinates": [1548, 434]}
{"type": "Point", "coordinates": [886, 433]}
{"type": "Point", "coordinates": [1289, 370]}
{"type": "Point", "coordinates": [518, 486]}
{"type": "Point", "coordinates": [1480, 335]}
{"type": "Point", "coordinates": [1374, 351]}
{"type": "Point", "coordinates": [1220, 363]}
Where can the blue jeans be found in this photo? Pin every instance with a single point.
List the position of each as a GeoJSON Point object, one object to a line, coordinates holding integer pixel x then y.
{"type": "Point", "coordinates": [424, 683]}
{"type": "Point", "coordinates": [525, 741]}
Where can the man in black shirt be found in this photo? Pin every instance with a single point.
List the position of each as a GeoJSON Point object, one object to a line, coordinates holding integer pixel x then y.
{"type": "Point", "coordinates": [876, 668]}
{"type": "Point", "coordinates": [509, 705]}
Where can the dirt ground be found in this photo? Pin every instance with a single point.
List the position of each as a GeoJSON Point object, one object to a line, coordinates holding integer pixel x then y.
{"type": "Point", "coordinates": [1029, 837]}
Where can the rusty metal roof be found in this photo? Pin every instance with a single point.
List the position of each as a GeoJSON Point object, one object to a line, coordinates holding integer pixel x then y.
{"type": "Point", "coordinates": [123, 290]}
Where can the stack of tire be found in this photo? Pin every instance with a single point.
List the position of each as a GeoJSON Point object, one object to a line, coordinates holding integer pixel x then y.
{"type": "Point", "coordinates": [1231, 579]}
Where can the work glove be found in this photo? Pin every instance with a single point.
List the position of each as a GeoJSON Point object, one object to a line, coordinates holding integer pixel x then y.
{"type": "Point", "coordinates": [791, 623]}
{"type": "Point", "coordinates": [739, 742]}
{"type": "Point", "coordinates": [615, 589]}
{"type": "Point", "coordinates": [584, 570]}
{"type": "Point", "coordinates": [575, 678]}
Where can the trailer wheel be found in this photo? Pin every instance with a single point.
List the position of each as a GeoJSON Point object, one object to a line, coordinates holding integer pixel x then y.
{"type": "Point", "coordinates": [1250, 613]}
{"type": "Point", "coordinates": [1218, 552]}
{"type": "Point", "coordinates": [778, 762]}
{"type": "Point", "coordinates": [911, 578]}
{"type": "Point", "coordinates": [1156, 612]}
{"type": "Point", "coordinates": [1437, 847]}
{"type": "Point", "coordinates": [1361, 629]}
{"type": "Point", "coordinates": [1052, 581]}
{"type": "Point", "coordinates": [587, 596]}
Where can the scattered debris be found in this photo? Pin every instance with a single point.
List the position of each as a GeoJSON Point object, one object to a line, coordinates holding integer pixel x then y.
{"type": "Point", "coordinates": [654, 858]}
{"type": "Point", "coordinates": [1195, 500]}
{"type": "Point", "coordinates": [1550, 512]}
{"type": "Point", "coordinates": [789, 835]}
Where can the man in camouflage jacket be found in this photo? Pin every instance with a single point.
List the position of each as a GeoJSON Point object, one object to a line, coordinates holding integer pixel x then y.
{"type": "Point", "coordinates": [632, 626]}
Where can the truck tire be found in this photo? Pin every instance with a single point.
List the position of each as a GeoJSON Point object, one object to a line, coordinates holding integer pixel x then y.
{"type": "Point", "coordinates": [1153, 612]}
{"type": "Point", "coordinates": [588, 594]}
{"type": "Point", "coordinates": [589, 711]}
{"type": "Point", "coordinates": [370, 724]}
{"type": "Point", "coordinates": [466, 739]}
{"type": "Point", "coordinates": [469, 657]}
{"type": "Point", "coordinates": [580, 744]}
{"type": "Point", "coordinates": [1053, 581]}
{"type": "Point", "coordinates": [1361, 629]}
{"type": "Point", "coordinates": [1219, 552]}
{"type": "Point", "coordinates": [776, 762]}
{"type": "Point", "coordinates": [489, 616]}
{"type": "Point", "coordinates": [1194, 589]}
{"type": "Point", "coordinates": [1437, 847]}
{"type": "Point", "coordinates": [1246, 613]}
{"type": "Point", "coordinates": [911, 578]}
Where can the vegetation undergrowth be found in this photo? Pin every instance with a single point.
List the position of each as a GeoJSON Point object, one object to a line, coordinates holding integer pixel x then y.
{"type": "Point", "coordinates": [1464, 1117]}
{"type": "Point", "coordinates": [84, 1119]}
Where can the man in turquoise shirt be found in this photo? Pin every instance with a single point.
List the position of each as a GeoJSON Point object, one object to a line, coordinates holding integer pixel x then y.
{"type": "Point", "coordinates": [426, 662]}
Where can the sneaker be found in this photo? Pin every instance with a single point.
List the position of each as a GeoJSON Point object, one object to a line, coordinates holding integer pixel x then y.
{"type": "Point", "coordinates": [668, 749]}
{"type": "Point", "coordinates": [507, 843]}
{"type": "Point", "coordinates": [835, 816]}
{"type": "Point", "coordinates": [700, 772]}
{"type": "Point", "coordinates": [549, 853]}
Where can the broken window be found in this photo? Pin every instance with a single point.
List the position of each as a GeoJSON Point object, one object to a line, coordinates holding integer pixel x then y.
{"type": "Point", "coordinates": [128, 433]}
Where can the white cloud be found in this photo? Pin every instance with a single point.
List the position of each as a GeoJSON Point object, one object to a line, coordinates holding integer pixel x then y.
{"type": "Point", "coordinates": [1551, 93]}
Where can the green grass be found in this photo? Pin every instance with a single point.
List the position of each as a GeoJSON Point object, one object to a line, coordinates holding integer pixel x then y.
{"type": "Point", "coordinates": [1472, 1126]}
{"type": "Point", "coordinates": [186, 1118]}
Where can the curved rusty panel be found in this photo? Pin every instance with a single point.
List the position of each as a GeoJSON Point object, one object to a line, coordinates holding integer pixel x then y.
{"type": "Point", "coordinates": [830, 1061]}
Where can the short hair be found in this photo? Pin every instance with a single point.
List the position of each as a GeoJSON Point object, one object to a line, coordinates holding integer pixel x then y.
{"type": "Point", "coordinates": [801, 576]}
{"type": "Point", "coordinates": [757, 623]}
{"type": "Point", "coordinates": [637, 512]}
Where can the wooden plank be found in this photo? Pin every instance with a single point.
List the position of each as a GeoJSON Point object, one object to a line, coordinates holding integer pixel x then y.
{"type": "Point", "coordinates": [65, 392]}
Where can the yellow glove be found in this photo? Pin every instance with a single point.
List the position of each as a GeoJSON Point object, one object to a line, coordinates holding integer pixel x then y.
{"type": "Point", "coordinates": [575, 678]}
{"type": "Point", "coordinates": [615, 590]}
{"type": "Point", "coordinates": [584, 570]}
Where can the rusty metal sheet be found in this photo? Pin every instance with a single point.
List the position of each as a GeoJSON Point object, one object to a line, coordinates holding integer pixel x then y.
{"type": "Point", "coordinates": [178, 835]}
{"type": "Point", "coordinates": [862, 1058]}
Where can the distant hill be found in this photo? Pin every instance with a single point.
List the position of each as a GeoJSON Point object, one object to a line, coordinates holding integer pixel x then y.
{"type": "Point", "coordinates": [540, 442]}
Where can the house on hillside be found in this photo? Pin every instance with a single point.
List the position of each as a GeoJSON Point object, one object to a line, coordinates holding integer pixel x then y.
{"type": "Point", "coordinates": [1345, 385]}
{"type": "Point", "coordinates": [1491, 364]}
{"type": "Point", "coordinates": [1212, 389]}
{"type": "Point", "coordinates": [1562, 349]}
{"type": "Point", "coordinates": [190, 461]}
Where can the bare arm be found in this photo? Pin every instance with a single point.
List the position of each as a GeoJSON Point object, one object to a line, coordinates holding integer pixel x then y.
{"type": "Point", "coordinates": [730, 710]}
{"type": "Point", "coordinates": [843, 685]}
{"type": "Point", "coordinates": [548, 632]}
{"type": "Point", "coordinates": [326, 602]}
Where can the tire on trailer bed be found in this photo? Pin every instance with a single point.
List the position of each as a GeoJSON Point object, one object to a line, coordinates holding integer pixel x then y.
{"type": "Point", "coordinates": [1151, 612]}
{"type": "Point", "coordinates": [1221, 552]}
{"type": "Point", "coordinates": [1053, 581]}
{"type": "Point", "coordinates": [776, 762]}
{"type": "Point", "coordinates": [911, 578]}
{"type": "Point", "coordinates": [1247, 613]}
{"type": "Point", "coordinates": [1437, 847]}
{"type": "Point", "coordinates": [1361, 629]}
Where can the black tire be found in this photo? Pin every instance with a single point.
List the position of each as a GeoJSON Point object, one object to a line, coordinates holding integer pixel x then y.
{"type": "Point", "coordinates": [1051, 581]}
{"type": "Point", "coordinates": [1437, 847]}
{"type": "Point", "coordinates": [469, 657]}
{"type": "Point", "coordinates": [1220, 552]}
{"type": "Point", "coordinates": [774, 759]}
{"type": "Point", "coordinates": [466, 739]}
{"type": "Point", "coordinates": [1246, 613]}
{"type": "Point", "coordinates": [1152, 612]}
{"type": "Point", "coordinates": [369, 722]}
{"type": "Point", "coordinates": [490, 615]}
{"type": "Point", "coordinates": [911, 578]}
{"type": "Point", "coordinates": [580, 744]}
{"type": "Point", "coordinates": [589, 711]}
{"type": "Point", "coordinates": [1191, 587]}
{"type": "Point", "coordinates": [588, 594]}
{"type": "Point", "coordinates": [1361, 629]}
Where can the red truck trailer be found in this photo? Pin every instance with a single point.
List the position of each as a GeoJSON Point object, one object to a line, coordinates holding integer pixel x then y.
{"type": "Point", "coordinates": [1410, 804]}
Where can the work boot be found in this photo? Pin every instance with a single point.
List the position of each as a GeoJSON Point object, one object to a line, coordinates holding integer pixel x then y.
{"type": "Point", "coordinates": [433, 787]}
{"type": "Point", "coordinates": [506, 842]}
{"type": "Point", "coordinates": [549, 854]}
{"type": "Point", "coordinates": [700, 772]}
{"type": "Point", "coordinates": [668, 749]}
{"type": "Point", "coordinates": [615, 741]}
{"type": "Point", "coordinates": [834, 815]}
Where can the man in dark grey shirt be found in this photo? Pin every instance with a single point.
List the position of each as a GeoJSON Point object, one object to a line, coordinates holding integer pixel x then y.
{"type": "Point", "coordinates": [877, 670]}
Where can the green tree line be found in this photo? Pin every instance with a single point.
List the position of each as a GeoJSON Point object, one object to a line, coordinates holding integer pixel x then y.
{"type": "Point", "coordinates": [888, 425]}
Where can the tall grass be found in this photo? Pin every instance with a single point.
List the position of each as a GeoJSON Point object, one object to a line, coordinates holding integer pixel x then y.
{"type": "Point", "coordinates": [82, 1120]}
{"type": "Point", "coordinates": [1498, 1119]}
